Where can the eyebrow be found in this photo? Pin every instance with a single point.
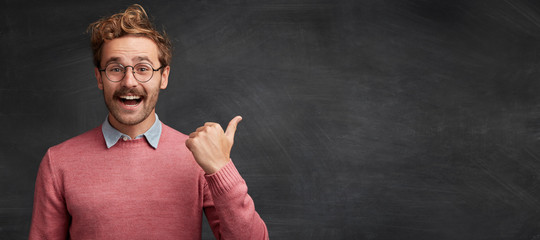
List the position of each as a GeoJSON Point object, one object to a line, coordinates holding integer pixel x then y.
{"type": "Point", "coordinates": [135, 59]}
{"type": "Point", "coordinates": [142, 58]}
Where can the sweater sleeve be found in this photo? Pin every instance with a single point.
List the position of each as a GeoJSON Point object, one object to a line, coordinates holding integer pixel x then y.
{"type": "Point", "coordinates": [50, 218]}
{"type": "Point", "coordinates": [228, 207]}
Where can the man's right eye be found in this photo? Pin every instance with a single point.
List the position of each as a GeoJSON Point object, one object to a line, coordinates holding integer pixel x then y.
{"type": "Point", "coordinates": [115, 69]}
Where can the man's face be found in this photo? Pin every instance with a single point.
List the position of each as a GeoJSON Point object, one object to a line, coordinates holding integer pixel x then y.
{"type": "Point", "coordinates": [129, 101]}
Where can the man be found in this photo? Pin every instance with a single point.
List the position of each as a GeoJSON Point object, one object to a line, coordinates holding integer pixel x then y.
{"type": "Point", "coordinates": [134, 177]}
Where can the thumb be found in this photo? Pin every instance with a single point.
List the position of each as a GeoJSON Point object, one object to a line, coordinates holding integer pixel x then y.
{"type": "Point", "coordinates": [231, 129]}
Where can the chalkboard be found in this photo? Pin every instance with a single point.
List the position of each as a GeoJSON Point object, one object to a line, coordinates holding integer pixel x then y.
{"type": "Point", "coordinates": [363, 119]}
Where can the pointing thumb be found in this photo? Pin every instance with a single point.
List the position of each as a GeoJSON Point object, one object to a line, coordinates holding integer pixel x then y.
{"type": "Point", "coordinates": [231, 128]}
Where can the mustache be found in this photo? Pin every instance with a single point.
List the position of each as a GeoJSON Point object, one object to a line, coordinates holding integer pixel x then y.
{"type": "Point", "coordinates": [126, 91]}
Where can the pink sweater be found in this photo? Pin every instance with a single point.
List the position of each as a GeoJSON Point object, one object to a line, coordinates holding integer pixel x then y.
{"type": "Point", "coordinates": [132, 191]}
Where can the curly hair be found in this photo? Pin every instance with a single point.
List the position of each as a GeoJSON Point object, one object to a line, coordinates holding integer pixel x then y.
{"type": "Point", "coordinates": [133, 21]}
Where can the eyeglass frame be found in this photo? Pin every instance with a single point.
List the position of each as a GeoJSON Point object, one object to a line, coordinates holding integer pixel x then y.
{"type": "Point", "coordinates": [132, 71]}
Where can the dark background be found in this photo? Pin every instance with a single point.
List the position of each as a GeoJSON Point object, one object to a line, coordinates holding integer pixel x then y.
{"type": "Point", "coordinates": [362, 119]}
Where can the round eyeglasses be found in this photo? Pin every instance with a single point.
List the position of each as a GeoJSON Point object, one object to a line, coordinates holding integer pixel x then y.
{"type": "Point", "coordinates": [143, 72]}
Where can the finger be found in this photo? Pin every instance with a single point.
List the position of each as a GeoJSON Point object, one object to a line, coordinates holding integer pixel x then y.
{"type": "Point", "coordinates": [199, 129]}
{"type": "Point", "coordinates": [212, 125]}
{"type": "Point", "coordinates": [188, 144]}
{"type": "Point", "coordinates": [209, 123]}
{"type": "Point", "coordinates": [231, 128]}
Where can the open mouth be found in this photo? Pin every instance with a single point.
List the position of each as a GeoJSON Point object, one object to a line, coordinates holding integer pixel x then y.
{"type": "Point", "coordinates": [130, 100]}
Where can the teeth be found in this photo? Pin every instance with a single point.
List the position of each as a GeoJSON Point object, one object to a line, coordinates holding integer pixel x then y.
{"type": "Point", "coordinates": [130, 97]}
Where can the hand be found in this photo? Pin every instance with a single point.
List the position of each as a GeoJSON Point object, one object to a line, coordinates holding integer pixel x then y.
{"type": "Point", "coordinates": [211, 147]}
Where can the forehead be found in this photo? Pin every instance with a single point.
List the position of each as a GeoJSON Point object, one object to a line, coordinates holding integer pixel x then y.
{"type": "Point", "coordinates": [129, 50]}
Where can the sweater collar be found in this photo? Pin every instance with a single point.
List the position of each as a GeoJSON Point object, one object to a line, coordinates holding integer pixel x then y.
{"type": "Point", "coordinates": [112, 135]}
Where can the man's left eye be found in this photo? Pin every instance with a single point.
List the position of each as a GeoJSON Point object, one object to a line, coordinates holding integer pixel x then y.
{"type": "Point", "coordinates": [142, 68]}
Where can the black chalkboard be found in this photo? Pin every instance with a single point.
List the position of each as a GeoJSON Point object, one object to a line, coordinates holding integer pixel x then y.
{"type": "Point", "coordinates": [362, 119]}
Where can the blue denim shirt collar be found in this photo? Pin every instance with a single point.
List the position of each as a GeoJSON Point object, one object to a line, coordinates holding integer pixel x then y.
{"type": "Point", "coordinates": [112, 135]}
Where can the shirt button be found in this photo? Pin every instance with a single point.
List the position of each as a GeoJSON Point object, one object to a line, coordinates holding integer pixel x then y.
{"type": "Point", "coordinates": [125, 138]}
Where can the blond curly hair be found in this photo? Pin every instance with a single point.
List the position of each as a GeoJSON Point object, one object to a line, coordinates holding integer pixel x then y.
{"type": "Point", "coordinates": [133, 21]}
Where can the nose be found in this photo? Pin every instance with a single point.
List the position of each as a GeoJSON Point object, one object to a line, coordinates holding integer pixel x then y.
{"type": "Point", "coordinates": [129, 78]}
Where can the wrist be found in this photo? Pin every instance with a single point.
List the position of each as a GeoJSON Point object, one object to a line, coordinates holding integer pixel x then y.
{"type": "Point", "coordinates": [214, 168]}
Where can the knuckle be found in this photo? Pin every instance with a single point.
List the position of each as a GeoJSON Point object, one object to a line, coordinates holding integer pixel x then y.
{"type": "Point", "coordinates": [216, 127]}
{"type": "Point", "coordinates": [193, 142]}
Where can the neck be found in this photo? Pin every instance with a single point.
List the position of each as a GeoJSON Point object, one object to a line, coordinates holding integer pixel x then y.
{"type": "Point", "coordinates": [133, 130]}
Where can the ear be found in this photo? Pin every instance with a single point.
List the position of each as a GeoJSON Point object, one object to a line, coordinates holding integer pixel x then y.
{"type": "Point", "coordinates": [99, 79]}
{"type": "Point", "coordinates": [165, 77]}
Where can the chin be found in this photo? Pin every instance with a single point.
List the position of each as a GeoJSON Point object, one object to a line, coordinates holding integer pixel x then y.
{"type": "Point", "coordinates": [130, 121]}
